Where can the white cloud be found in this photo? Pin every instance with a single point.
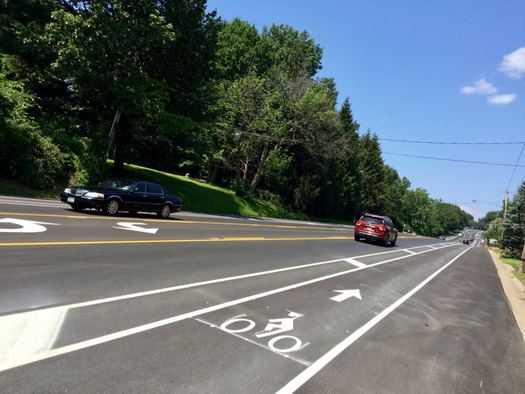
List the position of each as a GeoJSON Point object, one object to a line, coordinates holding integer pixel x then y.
{"type": "Point", "coordinates": [502, 99]}
{"type": "Point", "coordinates": [513, 64]}
{"type": "Point", "coordinates": [480, 87]}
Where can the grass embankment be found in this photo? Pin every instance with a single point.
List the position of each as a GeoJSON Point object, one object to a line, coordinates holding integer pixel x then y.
{"type": "Point", "coordinates": [197, 195]}
{"type": "Point", "coordinates": [11, 188]}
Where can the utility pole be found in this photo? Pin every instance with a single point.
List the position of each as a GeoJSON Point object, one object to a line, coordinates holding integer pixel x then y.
{"type": "Point", "coordinates": [506, 203]}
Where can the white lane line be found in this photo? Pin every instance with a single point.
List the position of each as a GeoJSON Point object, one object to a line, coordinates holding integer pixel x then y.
{"type": "Point", "coordinates": [319, 364]}
{"type": "Point", "coordinates": [189, 315]}
{"type": "Point", "coordinates": [408, 251]}
{"type": "Point", "coordinates": [355, 262]}
{"type": "Point", "coordinates": [298, 360]}
{"type": "Point", "coordinates": [197, 284]}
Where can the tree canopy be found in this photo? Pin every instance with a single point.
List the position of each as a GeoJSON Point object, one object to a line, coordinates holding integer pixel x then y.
{"type": "Point", "coordinates": [184, 91]}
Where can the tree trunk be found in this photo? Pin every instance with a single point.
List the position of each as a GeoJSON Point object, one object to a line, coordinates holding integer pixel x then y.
{"type": "Point", "coordinates": [245, 170]}
{"type": "Point", "coordinates": [121, 137]}
{"type": "Point", "coordinates": [260, 167]}
{"type": "Point", "coordinates": [213, 177]}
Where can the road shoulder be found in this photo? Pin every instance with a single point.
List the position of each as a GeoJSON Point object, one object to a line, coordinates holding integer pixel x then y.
{"type": "Point", "coordinates": [514, 290]}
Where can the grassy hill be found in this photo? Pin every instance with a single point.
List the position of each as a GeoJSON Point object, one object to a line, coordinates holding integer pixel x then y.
{"type": "Point", "coordinates": [199, 196]}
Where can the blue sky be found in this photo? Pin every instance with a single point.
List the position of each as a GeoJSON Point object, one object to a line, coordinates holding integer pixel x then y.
{"type": "Point", "coordinates": [422, 70]}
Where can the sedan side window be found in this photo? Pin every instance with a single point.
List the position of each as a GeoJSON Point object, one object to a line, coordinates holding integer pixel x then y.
{"type": "Point", "coordinates": [154, 188]}
{"type": "Point", "coordinates": [140, 188]}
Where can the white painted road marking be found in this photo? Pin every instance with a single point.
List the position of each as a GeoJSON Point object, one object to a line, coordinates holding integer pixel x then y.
{"type": "Point", "coordinates": [189, 315]}
{"type": "Point", "coordinates": [132, 226]}
{"type": "Point", "coordinates": [25, 335]}
{"type": "Point", "coordinates": [313, 369]}
{"type": "Point", "coordinates": [355, 262]}
{"type": "Point", "coordinates": [209, 282]}
{"type": "Point", "coordinates": [346, 294]}
{"type": "Point", "coordinates": [26, 226]}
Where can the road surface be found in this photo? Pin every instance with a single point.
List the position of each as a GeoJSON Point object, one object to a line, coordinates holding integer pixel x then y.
{"type": "Point", "coordinates": [209, 304]}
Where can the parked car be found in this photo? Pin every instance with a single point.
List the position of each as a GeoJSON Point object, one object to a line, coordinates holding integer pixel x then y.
{"type": "Point", "coordinates": [466, 241]}
{"type": "Point", "coordinates": [377, 228]}
{"type": "Point", "coordinates": [116, 195]}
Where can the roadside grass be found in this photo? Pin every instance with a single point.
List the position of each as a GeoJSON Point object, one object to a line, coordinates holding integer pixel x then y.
{"type": "Point", "coordinates": [197, 196]}
{"type": "Point", "coordinates": [519, 275]}
{"type": "Point", "coordinates": [510, 261]}
{"type": "Point", "coordinates": [12, 188]}
{"type": "Point", "coordinates": [515, 263]}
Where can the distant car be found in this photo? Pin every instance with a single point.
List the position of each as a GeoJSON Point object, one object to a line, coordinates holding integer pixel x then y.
{"type": "Point", "coordinates": [442, 237]}
{"type": "Point", "coordinates": [116, 195]}
{"type": "Point", "coordinates": [466, 241]}
{"type": "Point", "coordinates": [377, 228]}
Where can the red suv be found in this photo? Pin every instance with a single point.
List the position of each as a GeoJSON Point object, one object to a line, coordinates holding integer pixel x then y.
{"type": "Point", "coordinates": [377, 228]}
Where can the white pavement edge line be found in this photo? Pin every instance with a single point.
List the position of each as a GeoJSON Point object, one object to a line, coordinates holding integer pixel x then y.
{"type": "Point", "coordinates": [320, 363]}
{"type": "Point", "coordinates": [189, 315]}
{"type": "Point", "coordinates": [197, 284]}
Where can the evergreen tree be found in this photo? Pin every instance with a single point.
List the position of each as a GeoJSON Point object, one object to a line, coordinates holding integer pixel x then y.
{"type": "Point", "coordinates": [514, 226]}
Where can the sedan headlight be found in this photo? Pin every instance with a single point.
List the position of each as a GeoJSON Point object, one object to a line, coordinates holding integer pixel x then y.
{"type": "Point", "coordinates": [67, 190]}
{"type": "Point", "coordinates": [94, 196]}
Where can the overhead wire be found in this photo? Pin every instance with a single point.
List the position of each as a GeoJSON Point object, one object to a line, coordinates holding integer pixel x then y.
{"type": "Point", "coordinates": [453, 142]}
{"type": "Point", "coordinates": [454, 160]}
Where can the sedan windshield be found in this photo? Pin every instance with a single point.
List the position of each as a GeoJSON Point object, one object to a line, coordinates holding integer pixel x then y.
{"type": "Point", "coordinates": [122, 184]}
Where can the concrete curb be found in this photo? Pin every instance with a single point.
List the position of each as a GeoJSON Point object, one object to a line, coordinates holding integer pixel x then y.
{"type": "Point", "coordinates": [514, 290]}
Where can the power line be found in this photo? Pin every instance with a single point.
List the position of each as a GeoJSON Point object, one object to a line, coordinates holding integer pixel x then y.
{"type": "Point", "coordinates": [515, 167]}
{"type": "Point", "coordinates": [452, 143]}
{"type": "Point", "coordinates": [454, 160]}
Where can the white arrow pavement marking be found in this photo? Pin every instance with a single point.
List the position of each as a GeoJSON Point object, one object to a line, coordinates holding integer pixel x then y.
{"type": "Point", "coordinates": [133, 227]}
{"type": "Point", "coordinates": [26, 226]}
{"type": "Point", "coordinates": [345, 294]}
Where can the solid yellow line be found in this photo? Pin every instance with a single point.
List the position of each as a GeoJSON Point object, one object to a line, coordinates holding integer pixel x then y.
{"type": "Point", "coordinates": [160, 241]}
{"type": "Point", "coordinates": [170, 221]}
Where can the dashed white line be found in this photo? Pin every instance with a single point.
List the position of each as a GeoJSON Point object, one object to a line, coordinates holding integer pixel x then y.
{"type": "Point", "coordinates": [355, 262]}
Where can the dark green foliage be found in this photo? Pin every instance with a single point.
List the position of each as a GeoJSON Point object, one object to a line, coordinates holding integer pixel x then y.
{"type": "Point", "coordinates": [513, 235]}
{"type": "Point", "coordinates": [217, 100]}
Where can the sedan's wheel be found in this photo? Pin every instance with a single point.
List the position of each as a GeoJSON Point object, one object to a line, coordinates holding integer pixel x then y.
{"type": "Point", "coordinates": [76, 208]}
{"type": "Point", "coordinates": [165, 211]}
{"type": "Point", "coordinates": [386, 241]}
{"type": "Point", "coordinates": [112, 207]}
{"type": "Point", "coordinates": [356, 237]}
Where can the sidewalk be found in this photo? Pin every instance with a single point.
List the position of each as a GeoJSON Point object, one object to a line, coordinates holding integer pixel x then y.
{"type": "Point", "coordinates": [514, 290]}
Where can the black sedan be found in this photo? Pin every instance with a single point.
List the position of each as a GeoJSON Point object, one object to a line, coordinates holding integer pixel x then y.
{"type": "Point", "coordinates": [116, 195]}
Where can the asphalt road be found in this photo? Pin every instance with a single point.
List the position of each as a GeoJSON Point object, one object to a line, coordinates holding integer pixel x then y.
{"type": "Point", "coordinates": [211, 304]}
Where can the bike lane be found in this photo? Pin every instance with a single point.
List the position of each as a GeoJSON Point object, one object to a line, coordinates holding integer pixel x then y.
{"type": "Point", "coordinates": [225, 355]}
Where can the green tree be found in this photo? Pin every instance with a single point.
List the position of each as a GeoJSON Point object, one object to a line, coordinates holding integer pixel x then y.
{"type": "Point", "coordinates": [514, 226]}
{"type": "Point", "coordinates": [372, 175]}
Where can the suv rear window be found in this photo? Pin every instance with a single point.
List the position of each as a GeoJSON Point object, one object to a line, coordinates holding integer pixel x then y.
{"type": "Point", "coordinates": [371, 220]}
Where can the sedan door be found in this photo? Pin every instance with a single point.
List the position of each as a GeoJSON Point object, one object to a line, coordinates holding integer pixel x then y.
{"type": "Point", "coordinates": [155, 197]}
{"type": "Point", "coordinates": [136, 198]}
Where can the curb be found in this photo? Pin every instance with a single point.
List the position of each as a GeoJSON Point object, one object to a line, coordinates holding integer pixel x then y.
{"type": "Point", "coordinates": [514, 290]}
